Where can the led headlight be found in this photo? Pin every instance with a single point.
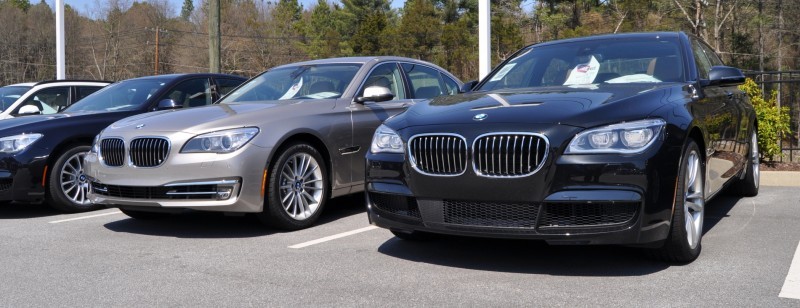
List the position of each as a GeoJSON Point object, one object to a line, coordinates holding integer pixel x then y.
{"type": "Point", "coordinates": [386, 140]}
{"type": "Point", "coordinates": [224, 141]}
{"type": "Point", "coordinates": [17, 143]}
{"type": "Point", "coordinates": [96, 144]}
{"type": "Point", "coordinates": [627, 138]}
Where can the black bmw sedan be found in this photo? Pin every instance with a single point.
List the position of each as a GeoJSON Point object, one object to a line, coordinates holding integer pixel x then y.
{"type": "Point", "coordinates": [612, 139]}
{"type": "Point", "coordinates": [41, 157]}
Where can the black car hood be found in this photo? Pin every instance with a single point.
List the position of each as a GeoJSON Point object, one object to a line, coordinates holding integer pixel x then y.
{"type": "Point", "coordinates": [62, 121]}
{"type": "Point", "coordinates": [576, 106]}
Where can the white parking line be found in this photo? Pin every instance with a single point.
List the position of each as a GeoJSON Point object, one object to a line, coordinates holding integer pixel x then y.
{"type": "Point", "coordinates": [791, 286]}
{"type": "Point", "coordinates": [84, 217]}
{"type": "Point", "coordinates": [333, 237]}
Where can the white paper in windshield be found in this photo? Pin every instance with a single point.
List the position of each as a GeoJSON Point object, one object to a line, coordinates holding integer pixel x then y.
{"type": "Point", "coordinates": [633, 78]}
{"type": "Point", "coordinates": [583, 73]}
{"type": "Point", "coordinates": [503, 72]}
{"type": "Point", "coordinates": [293, 89]}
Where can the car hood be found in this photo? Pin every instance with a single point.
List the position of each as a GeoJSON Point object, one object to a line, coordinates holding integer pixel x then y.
{"type": "Point", "coordinates": [217, 117]}
{"type": "Point", "coordinates": [576, 106]}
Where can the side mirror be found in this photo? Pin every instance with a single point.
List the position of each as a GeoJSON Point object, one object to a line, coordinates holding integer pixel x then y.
{"type": "Point", "coordinates": [467, 87]}
{"type": "Point", "coordinates": [375, 94]}
{"type": "Point", "coordinates": [166, 104]}
{"type": "Point", "coordinates": [725, 76]}
{"type": "Point", "coordinates": [29, 110]}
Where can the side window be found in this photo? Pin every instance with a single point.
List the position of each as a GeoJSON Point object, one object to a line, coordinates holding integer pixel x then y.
{"type": "Point", "coordinates": [703, 63]}
{"type": "Point", "coordinates": [712, 56]}
{"type": "Point", "coordinates": [425, 82]}
{"type": "Point", "coordinates": [452, 85]}
{"type": "Point", "coordinates": [225, 85]}
{"type": "Point", "coordinates": [386, 75]}
{"type": "Point", "coordinates": [48, 101]}
{"type": "Point", "coordinates": [191, 93]}
{"type": "Point", "coordinates": [85, 91]}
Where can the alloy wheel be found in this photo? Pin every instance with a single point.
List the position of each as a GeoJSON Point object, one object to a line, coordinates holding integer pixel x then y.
{"type": "Point", "coordinates": [74, 184]}
{"type": "Point", "coordinates": [301, 186]}
{"type": "Point", "coordinates": [694, 199]}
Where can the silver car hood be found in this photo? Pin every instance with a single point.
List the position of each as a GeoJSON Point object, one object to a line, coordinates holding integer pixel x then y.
{"type": "Point", "coordinates": [216, 117]}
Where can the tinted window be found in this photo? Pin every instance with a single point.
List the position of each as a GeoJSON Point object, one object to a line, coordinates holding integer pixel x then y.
{"type": "Point", "coordinates": [296, 82]}
{"type": "Point", "coordinates": [712, 56]}
{"type": "Point", "coordinates": [386, 75]}
{"type": "Point", "coordinates": [634, 60]}
{"type": "Point", "coordinates": [425, 82]}
{"type": "Point", "coordinates": [191, 93]}
{"type": "Point", "coordinates": [48, 101]}
{"type": "Point", "coordinates": [225, 85]}
{"type": "Point", "coordinates": [124, 95]}
{"type": "Point", "coordinates": [9, 95]}
{"type": "Point", "coordinates": [85, 91]}
{"type": "Point", "coordinates": [703, 63]}
{"type": "Point", "coordinates": [452, 85]}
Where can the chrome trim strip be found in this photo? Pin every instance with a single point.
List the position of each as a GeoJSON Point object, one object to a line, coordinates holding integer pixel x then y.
{"type": "Point", "coordinates": [220, 182]}
{"type": "Point", "coordinates": [424, 143]}
{"type": "Point", "coordinates": [190, 193]}
{"type": "Point", "coordinates": [539, 163]}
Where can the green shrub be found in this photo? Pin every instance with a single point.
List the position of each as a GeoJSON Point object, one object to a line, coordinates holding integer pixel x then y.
{"type": "Point", "coordinates": [773, 122]}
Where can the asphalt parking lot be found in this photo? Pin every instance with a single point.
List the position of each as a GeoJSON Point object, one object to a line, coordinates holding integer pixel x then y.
{"type": "Point", "coordinates": [103, 258]}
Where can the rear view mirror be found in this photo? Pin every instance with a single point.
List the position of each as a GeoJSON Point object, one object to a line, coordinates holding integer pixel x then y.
{"type": "Point", "coordinates": [467, 87]}
{"type": "Point", "coordinates": [29, 110]}
{"type": "Point", "coordinates": [166, 104]}
{"type": "Point", "coordinates": [375, 94]}
{"type": "Point", "coordinates": [725, 76]}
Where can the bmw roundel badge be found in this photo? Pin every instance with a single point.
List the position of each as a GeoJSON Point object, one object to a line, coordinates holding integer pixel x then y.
{"type": "Point", "coordinates": [480, 117]}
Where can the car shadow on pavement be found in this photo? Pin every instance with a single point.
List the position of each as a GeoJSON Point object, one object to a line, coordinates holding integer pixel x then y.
{"type": "Point", "coordinates": [524, 256]}
{"type": "Point", "coordinates": [718, 209]}
{"type": "Point", "coordinates": [216, 225]}
{"type": "Point", "coordinates": [18, 210]}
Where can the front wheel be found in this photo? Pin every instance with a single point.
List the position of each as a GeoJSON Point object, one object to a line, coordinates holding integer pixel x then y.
{"type": "Point", "coordinates": [683, 242]}
{"type": "Point", "coordinates": [67, 186]}
{"type": "Point", "coordinates": [297, 189]}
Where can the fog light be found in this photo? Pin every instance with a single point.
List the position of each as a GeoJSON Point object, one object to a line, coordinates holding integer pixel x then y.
{"type": "Point", "coordinates": [224, 193]}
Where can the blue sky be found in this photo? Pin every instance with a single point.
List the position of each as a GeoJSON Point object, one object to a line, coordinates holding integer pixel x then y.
{"type": "Point", "coordinates": [87, 7]}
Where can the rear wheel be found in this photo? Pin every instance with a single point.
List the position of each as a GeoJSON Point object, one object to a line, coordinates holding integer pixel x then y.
{"type": "Point", "coordinates": [683, 242]}
{"type": "Point", "coordinates": [748, 186]}
{"type": "Point", "coordinates": [67, 186]}
{"type": "Point", "coordinates": [297, 189]}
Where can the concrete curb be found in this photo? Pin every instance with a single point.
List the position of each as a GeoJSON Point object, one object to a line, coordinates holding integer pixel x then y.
{"type": "Point", "coordinates": [780, 178]}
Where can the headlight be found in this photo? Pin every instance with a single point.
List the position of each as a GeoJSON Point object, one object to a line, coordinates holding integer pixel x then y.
{"type": "Point", "coordinates": [626, 138]}
{"type": "Point", "coordinates": [386, 140]}
{"type": "Point", "coordinates": [224, 141]}
{"type": "Point", "coordinates": [96, 144]}
{"type": "Point", "coordinates": [16, 143]}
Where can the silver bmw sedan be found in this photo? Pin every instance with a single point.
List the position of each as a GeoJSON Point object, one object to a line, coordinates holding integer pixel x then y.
{"type": "Point", "coordinates": [279, 145]}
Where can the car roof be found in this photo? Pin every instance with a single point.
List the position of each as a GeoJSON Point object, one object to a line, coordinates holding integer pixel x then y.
{"type": "Point", "coordinates": [359, 60]}
{"type": "Point", "coordinates": [24, 84]}
{"type": "Point", "coordinates": [632, 35]}
{"type": "Point", "coordinates": [176, 76]}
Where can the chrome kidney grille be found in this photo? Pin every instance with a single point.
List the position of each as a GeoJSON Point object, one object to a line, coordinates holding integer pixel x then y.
{"type": "Point", "coordinates": [148, 152]}
{"type": "Point", "coordinates": [439, 154]}
{"type": "Point", "coordinates": [509, 154]}
{"type": "Point", "coordinates": [112, 151]}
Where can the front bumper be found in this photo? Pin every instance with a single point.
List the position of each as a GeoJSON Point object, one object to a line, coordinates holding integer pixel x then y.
{"type": "Point", "coordinates": [192, 181]}
{"type": "Point", "coordinates": [573, 199]}
{"type": "Point", "coordinates": [21, 175]}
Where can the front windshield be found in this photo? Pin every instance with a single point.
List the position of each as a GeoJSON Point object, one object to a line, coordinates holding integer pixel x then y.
{"type": "Point", "coordinates": [650, 60]}
{"type": "Point", "coordinates": [121, 96]}
{"type": "Point", "coordinates": [10, 94]}
{"type": "Point", "coordinates": [296, 82]}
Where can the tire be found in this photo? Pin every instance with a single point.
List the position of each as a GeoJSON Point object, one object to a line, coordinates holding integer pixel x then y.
{"type": "Point", "coordinates": [67, 187]}
{"type": "Point", "coordinates": [297, 190]}
{"type": "Point", "coordinates": [142, 215]}
{"type": "Point", "coordinates": [683, 244]}
{"type": "Point", "coordinates": [413, 236]}
{"type": "Point", "coordinates": [748, 186]}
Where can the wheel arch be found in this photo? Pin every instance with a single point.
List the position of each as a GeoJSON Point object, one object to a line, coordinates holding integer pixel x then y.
{"type": "Point", "coordinates": [58, 150]}
{"type": "Point", "coordinates": [306, 137]}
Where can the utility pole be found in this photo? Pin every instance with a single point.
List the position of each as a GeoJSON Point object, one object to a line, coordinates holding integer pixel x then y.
{"type": "Point", "coordinates": [213, 36]}
{"type": "Point", "coordinates": [484, 42]}
{"type": "Point", "coordinates": [155, 66]}
{"type": "Point", "coordinates": [60, 49]}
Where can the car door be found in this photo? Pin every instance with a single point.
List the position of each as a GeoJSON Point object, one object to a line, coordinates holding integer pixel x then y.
{"type": "Point", "coordinates": [367, 116]}
{"type": "Point", "coordinates": [47, 101]}
{"type": "Point", "coordinates": [719, 116]}
{"type": "Point", "coordinates": [424, 82]}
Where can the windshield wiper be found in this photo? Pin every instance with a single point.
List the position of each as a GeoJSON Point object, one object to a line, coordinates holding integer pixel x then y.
{"type": "Point", "coordinates": [299, 71]}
